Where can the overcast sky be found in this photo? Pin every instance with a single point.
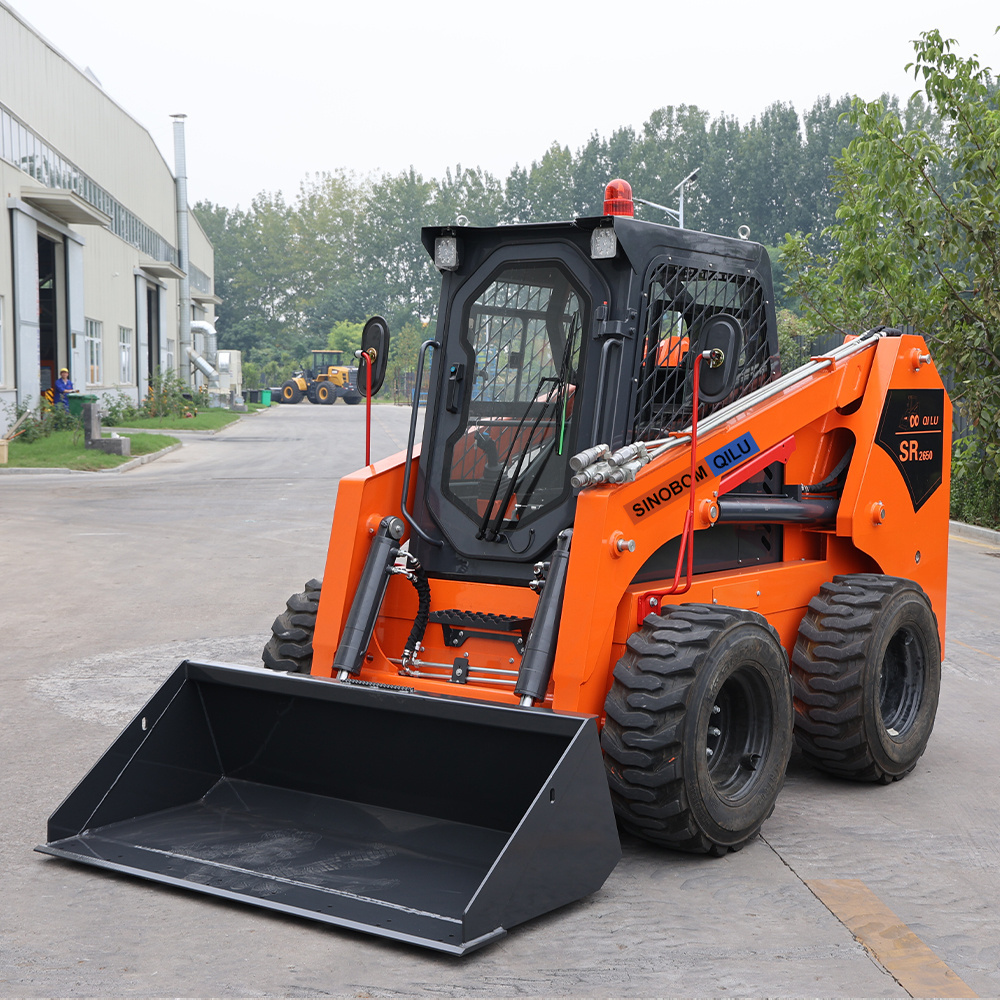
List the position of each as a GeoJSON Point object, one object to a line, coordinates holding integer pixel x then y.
{"type": "Point", "coordinates": [274, 91]}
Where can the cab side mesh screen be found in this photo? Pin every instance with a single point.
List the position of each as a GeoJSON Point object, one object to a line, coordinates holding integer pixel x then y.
{"type": "Point", "coordinates": [680, 300]}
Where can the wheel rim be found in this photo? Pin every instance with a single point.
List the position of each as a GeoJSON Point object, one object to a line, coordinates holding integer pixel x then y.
{"type": "Point", "coordinates": [739, 732]}
{"type": "Point", "coordinates": [901, 683]}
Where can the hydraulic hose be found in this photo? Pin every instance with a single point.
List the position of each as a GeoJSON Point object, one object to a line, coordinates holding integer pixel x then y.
{"type": "Point", "coordinates": [418, 578]}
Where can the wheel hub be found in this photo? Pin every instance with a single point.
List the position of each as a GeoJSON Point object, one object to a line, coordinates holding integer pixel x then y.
{"type": "Point", "coordinates": [739, 732]}
{"type": "Point", "coordinates": [901, 683]}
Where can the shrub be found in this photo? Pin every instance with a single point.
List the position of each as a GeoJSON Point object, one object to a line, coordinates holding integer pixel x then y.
{"type": "Point", "coordinates": [168, 396]}
{"type": "Point", "coordinates": [117, 408]}
{"type": "Point", "coordinates": [41, 421]}
{"type": "Point", "coordinates": [974, 498]}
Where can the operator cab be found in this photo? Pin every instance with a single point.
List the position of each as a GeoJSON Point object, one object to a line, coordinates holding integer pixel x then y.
{"type": "Point", "coordinates": [551, 338]}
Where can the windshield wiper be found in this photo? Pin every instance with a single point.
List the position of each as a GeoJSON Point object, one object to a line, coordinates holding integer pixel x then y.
{"type": "Point", "coordinates": [559, 398]}
{"type": "Point", "coordinates": [484, 526]}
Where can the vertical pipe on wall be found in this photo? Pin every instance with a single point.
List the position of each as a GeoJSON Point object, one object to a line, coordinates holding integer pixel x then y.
{"type": "Point", "coordinates": [183, 248]}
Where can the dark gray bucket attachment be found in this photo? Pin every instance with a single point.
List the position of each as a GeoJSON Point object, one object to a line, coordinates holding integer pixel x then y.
{"type": "Point", "coordinates": [437, 821]}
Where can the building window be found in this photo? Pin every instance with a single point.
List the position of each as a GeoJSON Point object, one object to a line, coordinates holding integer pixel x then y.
{"type": "Point", "coordinates": [170, 355]}
{"type": "Point", "coordinates": [125, 355]}
{"type": "Point", "coordinates": [29, 153]}
{"type": "Point", "coordinates": [94, 343]}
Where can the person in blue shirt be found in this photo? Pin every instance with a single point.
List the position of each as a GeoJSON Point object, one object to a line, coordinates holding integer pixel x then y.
{"type": "Point", "coordinates": [63, 386]}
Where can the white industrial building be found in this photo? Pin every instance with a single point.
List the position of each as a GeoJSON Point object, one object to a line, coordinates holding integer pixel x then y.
{"type": "Point", "coordinates": [102, 268]}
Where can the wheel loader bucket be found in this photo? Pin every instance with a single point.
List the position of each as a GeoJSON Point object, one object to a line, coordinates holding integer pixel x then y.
{"type": "Point", "coordinates": [436, 821]}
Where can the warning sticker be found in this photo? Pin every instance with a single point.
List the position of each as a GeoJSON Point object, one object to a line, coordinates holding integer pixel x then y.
{"type": "Point", "coordinates": [911, 432]}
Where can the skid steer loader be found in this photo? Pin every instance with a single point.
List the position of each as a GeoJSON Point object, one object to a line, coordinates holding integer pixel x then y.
{"type": "Point", "coordinates": [630, 561]}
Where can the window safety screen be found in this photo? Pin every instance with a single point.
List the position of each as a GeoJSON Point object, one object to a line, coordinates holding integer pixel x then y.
{"type": "Point", "coordinates": [509, 458]}
{"type": "Point", "coordinates": [680, 300]}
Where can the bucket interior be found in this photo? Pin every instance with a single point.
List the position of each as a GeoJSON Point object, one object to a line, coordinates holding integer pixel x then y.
{"type": "Point", "coordinates": [362, 807]}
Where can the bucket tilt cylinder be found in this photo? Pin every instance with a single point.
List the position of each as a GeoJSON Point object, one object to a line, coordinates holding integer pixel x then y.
{"type": "Point", "coordinates": [540, 646]}
{"type": "Point", "coordinates": [368, 598]}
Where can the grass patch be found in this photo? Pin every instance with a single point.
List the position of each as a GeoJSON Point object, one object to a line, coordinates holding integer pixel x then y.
{"type": "Point", "coordinates": [65, 450]}
{"type": "Point", "coordinates": [206, 420]}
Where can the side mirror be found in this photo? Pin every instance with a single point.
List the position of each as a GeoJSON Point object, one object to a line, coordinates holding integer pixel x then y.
{"type": "Point", "coordinates": [722, 333]}
{"type": "Point", "coordinates": [375, 353]}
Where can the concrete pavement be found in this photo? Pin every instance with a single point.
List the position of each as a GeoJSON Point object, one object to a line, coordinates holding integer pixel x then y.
{"type": "Point", "coordinates": [109, 581]}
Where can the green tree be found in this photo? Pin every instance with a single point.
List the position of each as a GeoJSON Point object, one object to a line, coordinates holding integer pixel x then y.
{"type": "Point", "coordinates": [915, 239]}
{"type": "Point", "coordinates": [394, 271]}
{"type": "Point", "coordinates": [828, 132]}
{"type": "Point", "coordinates": [346, 336]}
{"type": "Point", "coordinates": [796, 335]}
{"type": "Point", "coordinates": [324, 222]}
{"type": "Point", "coordinates": [475, 194]}
{"type": "Point", "coordinates": [403, 348]}
{"type": "Point", "coordinates": [550, 192]}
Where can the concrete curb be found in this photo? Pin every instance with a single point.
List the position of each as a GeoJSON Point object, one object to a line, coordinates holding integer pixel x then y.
{"type": "Point", "coordinates": [144, 459]}
{"type": "Point", "coordinates": [124, 467]}
{"type": "Point", "coordinates": [974, 531]}
{"type": "Point", "coordinates": [169, 431]}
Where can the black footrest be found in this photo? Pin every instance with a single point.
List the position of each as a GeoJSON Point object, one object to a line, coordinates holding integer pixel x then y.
{"type": "Point", "coordinates": [481, 620]}
{"type": "Point", "coordinates": [461, 625]}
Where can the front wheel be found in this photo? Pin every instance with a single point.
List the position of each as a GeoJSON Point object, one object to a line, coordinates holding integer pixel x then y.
{"type": "Point", "coordinates": [290, 646]}
{"type": "Point", "coordinates": [325, 394]}
{"type": "Point", "coordinates": [866, 672]}
{"type": "Point", "coordinates": [291, 393]}
{"type": "Point", "coordinates": [699, 728]}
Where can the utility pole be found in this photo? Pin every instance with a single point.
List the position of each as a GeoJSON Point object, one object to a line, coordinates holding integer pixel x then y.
{"type": "Point", "coordinates": [183, 247]}
{"type": "Point", "coordinates": [676, 214]}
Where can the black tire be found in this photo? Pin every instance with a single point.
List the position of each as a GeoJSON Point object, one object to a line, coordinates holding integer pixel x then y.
{"type": "Point", "coordinates": [353, 400]}
{"type": "Point", "coordinates": [291, 393]}
{"type": "Point", "coordinates": [325, 394]}
{"type": "Point", "coordinates": [290, 646]}
{"type": "Point", "coordinates": [866, 675]}
{"type": "Point", "coordinates": [699, 728]}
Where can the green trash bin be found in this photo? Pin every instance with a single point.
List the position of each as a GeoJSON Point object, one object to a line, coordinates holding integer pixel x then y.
{"type": "Point", "coordinates": [76, 401]}
{"type": "Point", "coordinates": [265, 397]}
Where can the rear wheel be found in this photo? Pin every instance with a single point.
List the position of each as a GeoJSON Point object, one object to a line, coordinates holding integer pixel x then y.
{"type": "Point", "coordinates": [866, 674]}
{"type": "Point", "coordinates": [290, 645]}
{"type": "Point", "coordinates": [353, 400]}
{"type": "Point", "coordinates": [699, 728]}
{"type": "Point", "coordinates": [325, 394]}
{"type": "Point", "coordinates": [291, 393]}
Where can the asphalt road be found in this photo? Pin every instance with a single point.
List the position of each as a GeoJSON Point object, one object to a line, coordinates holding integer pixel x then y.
{"type": "Point", "coordinates": [109, 580]}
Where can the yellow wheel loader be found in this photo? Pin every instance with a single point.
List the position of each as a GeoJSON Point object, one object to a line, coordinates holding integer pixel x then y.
{"type": "Point", "coordinates": [326, 381]}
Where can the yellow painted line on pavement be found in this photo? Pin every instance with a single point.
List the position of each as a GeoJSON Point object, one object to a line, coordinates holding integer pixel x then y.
{"type": "Point", "coordinates": [975, 649]}
{"type": "Point", "coordinates": [883, 935]}
{"type": "Point", "coordinates": [969, 541]}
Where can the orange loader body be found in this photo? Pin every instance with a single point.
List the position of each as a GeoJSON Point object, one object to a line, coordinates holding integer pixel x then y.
{"type": "Point", "coordinates": [628, 564]}
{"type": "Point", "coordinates": [876, 531]}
